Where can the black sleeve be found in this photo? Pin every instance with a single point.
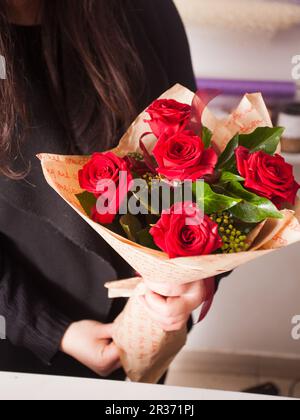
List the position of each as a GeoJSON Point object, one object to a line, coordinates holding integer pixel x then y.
{"type": "Point", "coordinates": [31, 320]}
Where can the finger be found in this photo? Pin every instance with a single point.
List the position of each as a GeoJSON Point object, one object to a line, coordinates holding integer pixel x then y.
{"type": "Point", "coordinates": [109, 371]}
{"type": "Point", "coordinates": [106, 331]}
{"type": "Point", "coordinates": [195, 295]}
{"type": "Point", "coordinates": [166, 289]}
{"type": "Point", "coordinates": [167, 307]}
{"type": "Point", "coordinates": [163, 321]}
{"type": "Point", "coordinates": [110, 355]}
{"type": "Point", "coordinates": [196, 290]}
{"type": "Point", "coordinates": [168, 325]}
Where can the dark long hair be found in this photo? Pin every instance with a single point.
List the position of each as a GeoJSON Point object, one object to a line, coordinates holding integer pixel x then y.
{"type": "Point", "coordinates": [95, 34]}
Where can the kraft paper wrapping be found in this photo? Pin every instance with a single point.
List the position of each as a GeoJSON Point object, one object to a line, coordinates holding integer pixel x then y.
{"type": "Point", "coordinates": [146, 350]}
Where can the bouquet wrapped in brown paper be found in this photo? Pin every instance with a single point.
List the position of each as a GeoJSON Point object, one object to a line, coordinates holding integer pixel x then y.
{"type": "Point", "coordinates": [246, 218]}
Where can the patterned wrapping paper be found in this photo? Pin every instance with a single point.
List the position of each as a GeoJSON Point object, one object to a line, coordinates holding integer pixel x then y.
{"type": "Point", "coordinates": [146, 350]}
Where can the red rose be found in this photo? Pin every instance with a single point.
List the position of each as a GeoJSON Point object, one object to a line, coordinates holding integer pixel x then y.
{"type": "Point", "coordinates": [182, 156]}
{"type": "Point", "coordinates": [168, 114]}
{"type": "Point", "coordinates": [102, 219]}
{"type": "Point", "coordinates": [184, 231]}
{"type": "Point", "coordinates": [268, 176]}
{"type": "Point", "coordinates": [107, 177]}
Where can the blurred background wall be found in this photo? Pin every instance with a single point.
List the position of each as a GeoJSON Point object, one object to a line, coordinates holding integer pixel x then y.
{"type": "Point", "coordinates": [254, 307]}
{"type": "Point", "coordinates": [242, 39]}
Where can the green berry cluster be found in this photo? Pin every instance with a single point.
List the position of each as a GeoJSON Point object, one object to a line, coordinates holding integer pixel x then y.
{"type": "Point", "coordinates": [137, 156]}
{"type": "Point", "coordinates": [234, 237]}
{"type": "Point", "coordinates": [149, 178]}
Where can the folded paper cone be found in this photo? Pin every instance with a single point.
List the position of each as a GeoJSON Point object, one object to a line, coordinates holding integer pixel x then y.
{"type": "Point", "coordinates": [146, 350]}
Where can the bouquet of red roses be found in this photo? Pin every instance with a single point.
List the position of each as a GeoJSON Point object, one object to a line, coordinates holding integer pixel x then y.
{"type": "Point", "coordinates": [231, 192]}
{"type": "Point", "coordinates": [184, 197]}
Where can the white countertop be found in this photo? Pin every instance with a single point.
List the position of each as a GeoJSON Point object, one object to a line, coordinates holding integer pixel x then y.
{"type": "Point", "coordinates": [35, 387]}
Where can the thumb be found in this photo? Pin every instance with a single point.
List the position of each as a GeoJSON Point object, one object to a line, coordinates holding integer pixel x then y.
{"type": "Point", "coordinates": [106, 331]}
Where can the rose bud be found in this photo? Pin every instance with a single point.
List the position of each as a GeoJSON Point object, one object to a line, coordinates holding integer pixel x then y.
{"type": "Point", "coordinates": [168, 114]}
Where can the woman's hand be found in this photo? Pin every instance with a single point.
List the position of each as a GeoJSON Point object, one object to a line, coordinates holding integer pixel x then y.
{"type": "Point", "coordinates": [172, 306]}
{"type": "Point", "coordinates": [90, 343]}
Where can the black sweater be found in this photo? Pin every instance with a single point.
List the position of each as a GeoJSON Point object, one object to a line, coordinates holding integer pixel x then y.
{"type": "Point", "coordinates": [52, 265]}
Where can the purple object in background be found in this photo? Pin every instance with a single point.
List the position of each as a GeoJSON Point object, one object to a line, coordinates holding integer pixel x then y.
{"type": "Point", "coordinates": [271, 89]}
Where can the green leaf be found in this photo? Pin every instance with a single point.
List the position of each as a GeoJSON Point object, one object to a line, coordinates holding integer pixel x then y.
{"type": "Point", "coordinates": [212, 202]}
{"type": "Point", "coordinates": [264, 139]}
{"type": "Point", "coordinates": [207, 137]}
{"type": "Point", "coordinates": [144, 238]}
{"type": "Point", "coordinates": [252, 208]}
{"type": "Point", "coordinates": [131, 226]}
{"type": "Point", "coordinates": [87, 201]}
{"type": "Point", "coordinates": [227, 158]}
{"type": "Point", "coordinates": [230, 177]}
